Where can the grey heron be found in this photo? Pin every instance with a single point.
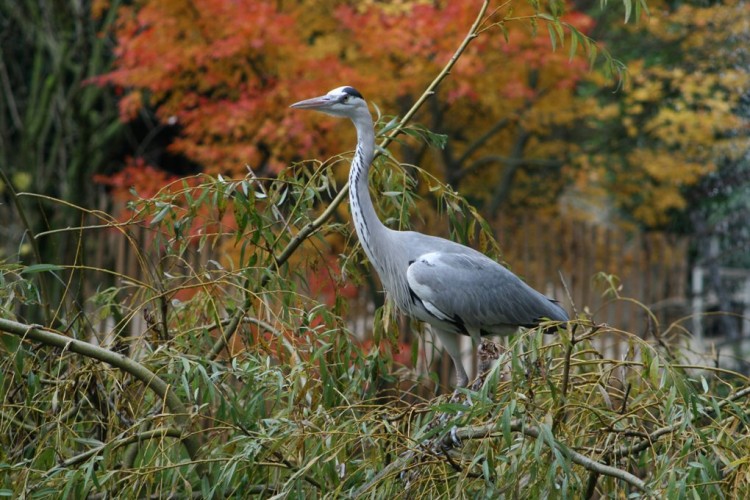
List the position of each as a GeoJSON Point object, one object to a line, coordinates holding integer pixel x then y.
{"type": "Point", "coordinates": [455, 289]}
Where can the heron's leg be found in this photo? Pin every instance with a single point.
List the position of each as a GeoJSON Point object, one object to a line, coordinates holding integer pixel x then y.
{"type": "Point", "coordinates": [487, 353]}
{"type": "Point", "coordinates": [451, 343]}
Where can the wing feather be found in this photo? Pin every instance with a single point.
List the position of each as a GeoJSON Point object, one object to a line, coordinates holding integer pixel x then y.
{"type": "Point", "coordinates": [477, 291]}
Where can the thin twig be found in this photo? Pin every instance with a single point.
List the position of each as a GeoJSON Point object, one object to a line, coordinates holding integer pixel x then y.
{"type": "Point", "coordinates": [142, 436]}
{"type": "Point", "coordinates": [570, 295]}
{"type": "Point", "coordinates": [390, 469]}
{"type": "Point", "coordinates": [295, 469]}
{"type": "Point", "coordinates": [624, 406]}
{"type": "Point", "coordinates": [137, 370]}
{"type": "Point", "coordinates": [517, 425]}
{"type": "Point", "coordinates": [624, 451]}
{"type": "Point", "coordinates": [566, 365]}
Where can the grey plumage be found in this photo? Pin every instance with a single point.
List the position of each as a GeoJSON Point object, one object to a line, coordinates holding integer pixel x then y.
{"type": "Point", "coordinates": [454, 288]}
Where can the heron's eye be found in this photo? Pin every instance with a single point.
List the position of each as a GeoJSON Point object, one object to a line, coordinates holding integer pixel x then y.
{"type": "Point", "coordinates": [345, 98]}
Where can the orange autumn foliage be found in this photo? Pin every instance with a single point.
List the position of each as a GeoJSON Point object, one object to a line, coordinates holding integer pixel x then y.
{"type": "Point", "coordinates": [224, 72]}
{"type": "Point", "coordinates": [214, 68]}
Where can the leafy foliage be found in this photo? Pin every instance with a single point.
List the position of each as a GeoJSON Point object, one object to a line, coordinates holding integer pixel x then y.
{"type": "Point", "coordinates": [226, 91]}
{"type": "Point", "coordinates": [522, 111]}
{"type": "Point", "coordinates": [236, 373]}
{"type": "Point", "coordinates": [298, 407]}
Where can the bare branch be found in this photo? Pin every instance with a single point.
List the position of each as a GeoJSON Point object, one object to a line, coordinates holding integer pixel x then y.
{"type": "Point", "coordinates": [491, 430]}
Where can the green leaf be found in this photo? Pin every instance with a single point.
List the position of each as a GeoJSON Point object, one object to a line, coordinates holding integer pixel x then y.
{"type": "Point", "coordinates": [641, 4]}
{"type": "Point", "coordinates": [161, 214]}
{"type": "Point", "coordinates": [431, 138]}
{"type": "Point", "coordinates": [451, 407]}
{"type": "Point", "coordinates": [41, 268]}
{"type": "Point", "coordinates": [653, 371]}
{"type": "Point", "coordinates": [392, 124]}
{"type": "Point", "coordinates": [704, 384]}
{"type": "Point", "coordinates": [507, 416]}
{"type": "Point", "coordinates": [552, 36]}
{"type": "Point", "coordinates": [573, 45]}
{"type": "Point", "coordinates": [45, 493]}
{"type": "Point", "coordinates": [593, 53]}
{"type": "Point", "coordinates": [554, 7]}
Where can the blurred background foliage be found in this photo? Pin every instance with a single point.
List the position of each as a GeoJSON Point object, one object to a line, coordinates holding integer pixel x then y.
{"type": "Point", "coordinates": [527, 125]}
{"type": "Point", "coordinates": [531, 124]}
{"type": "Point", "coordinates": [157, 199]}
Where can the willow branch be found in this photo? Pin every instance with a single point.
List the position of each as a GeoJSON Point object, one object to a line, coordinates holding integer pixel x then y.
{"type": "Point", "coordinates": [142, 436]}
{"type": "Point", "coordinates": [392, 468]}
{"type": "Point", "coordinates": [489, 430]}
{"type": "Point", "coordinates": [316, 224]}
{"type": "Point", "coordinates": [648, 442]}
{"type": "Point", "coordinates": [137, 370]}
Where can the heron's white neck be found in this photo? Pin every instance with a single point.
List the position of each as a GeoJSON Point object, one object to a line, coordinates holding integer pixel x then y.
{"type": "Point", "coordinates": [366, 222]}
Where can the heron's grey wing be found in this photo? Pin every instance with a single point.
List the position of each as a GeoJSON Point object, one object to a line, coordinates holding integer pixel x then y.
{"type": "Point", "coordinates": [473, 290]}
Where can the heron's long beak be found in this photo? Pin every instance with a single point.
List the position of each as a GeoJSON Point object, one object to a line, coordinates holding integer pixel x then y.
{"type": "Point", "coordinates": [319, 103]}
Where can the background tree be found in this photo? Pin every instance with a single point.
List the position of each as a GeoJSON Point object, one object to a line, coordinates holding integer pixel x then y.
{"type": "Point", "coordinates": [678, 121]}
{"type": "Point", "coordinates": [507, 97]}
{"type": "Point", "coordinates": [525, 117]}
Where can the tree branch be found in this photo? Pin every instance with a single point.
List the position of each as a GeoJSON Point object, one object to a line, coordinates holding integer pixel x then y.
{"type": "Point", "coordinates": [389, 469]}
{"type": "Point", "coordinates": [490, 430]}
{"type": "Point", "coordinates": [507, 160]}
{"type": "Point", "coordinates": [517, 425]}
{"type": "Point", "coordinates": [141, 436]}
{"type": "Point", "coordinates": [490, 132]}
{"type": "Point", "coordinates": [648, 442]}
{"type": "Point", "coordinates": [503, 189]}
{"type": "Point", "coordinates": [149, 378]}
{"type": "Point", "coordinates": [481, 140]}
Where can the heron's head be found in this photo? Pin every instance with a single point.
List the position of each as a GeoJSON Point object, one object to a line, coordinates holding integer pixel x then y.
{"type": "Point", "coordinates": [342, 101]}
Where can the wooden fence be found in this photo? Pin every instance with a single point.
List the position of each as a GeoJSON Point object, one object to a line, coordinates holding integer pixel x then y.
{"type": "Point", "coordinates": [649, 269]}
